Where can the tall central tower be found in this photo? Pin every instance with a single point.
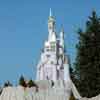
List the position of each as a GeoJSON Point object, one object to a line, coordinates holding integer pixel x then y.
{"type": "Point", "coordinates": [53, 64]}
{"type": "Point", "coordinates": [51, 27]}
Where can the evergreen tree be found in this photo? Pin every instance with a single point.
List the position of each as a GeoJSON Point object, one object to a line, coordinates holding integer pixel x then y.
{"type": "Point", "coordinates": [7, 84]}
{"type": "Point", "coordinates": [31, 83]}
{"type": "Point", "coordinates": [22, 81]}
{"type": "Point", "coordinates": [87, 64]}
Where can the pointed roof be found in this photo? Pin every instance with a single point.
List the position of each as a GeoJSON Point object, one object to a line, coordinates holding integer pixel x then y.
{"type": "Point", "coordinates": [62, 29]}
{"type": "Point", "coordinates": [51, 18]}
{"type": "Point", "coordinates": [62, 32]}
{"type": "Point", "coordinates": [50, 14]}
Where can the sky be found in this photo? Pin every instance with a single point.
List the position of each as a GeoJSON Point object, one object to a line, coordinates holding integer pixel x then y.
{"type": "Point", "coordinates": [23, 30]}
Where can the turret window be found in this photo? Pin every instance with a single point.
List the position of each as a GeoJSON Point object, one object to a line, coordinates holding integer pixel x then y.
{"type": "Point", "coordinates": [53, 46]}
{"type": "Point", "coordinates": [52, 62]}
{"type": "Point", "coordinates": [48, 56]}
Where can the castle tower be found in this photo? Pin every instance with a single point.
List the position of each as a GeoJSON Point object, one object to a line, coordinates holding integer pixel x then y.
{"type": "Point", "coordinates": [52, 61]}
{"type": "Point", "coordinates": [51, 27]}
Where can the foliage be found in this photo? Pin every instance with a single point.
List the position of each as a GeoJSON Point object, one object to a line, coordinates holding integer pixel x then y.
{"type": "Point", "coordinates": [6, 84]}
{"type": "Point", "coordinates": [31, 83]}
{"type": "Point", "coordinates": [0, 90]}
{"type": "Point", "coordinates": [72, 98]}
{"type": "Point", "coordinates": [87, 64]}
{"type": "Point", "coordinates": [22, 81]}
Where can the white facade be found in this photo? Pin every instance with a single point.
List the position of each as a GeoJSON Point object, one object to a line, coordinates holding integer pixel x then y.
{"type": "Point", "coordinates": [53, 64]}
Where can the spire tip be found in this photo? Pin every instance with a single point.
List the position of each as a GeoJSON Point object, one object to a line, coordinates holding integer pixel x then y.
{"type": "Point", "coordinates": [50, 12]}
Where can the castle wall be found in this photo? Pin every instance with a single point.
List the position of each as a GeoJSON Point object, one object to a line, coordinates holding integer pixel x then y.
{"type": "Point", "coordinates": [19, 93]}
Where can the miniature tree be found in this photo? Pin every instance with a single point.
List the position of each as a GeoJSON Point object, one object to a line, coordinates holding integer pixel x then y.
{"type": "Point", "coordinates": [22, 82]}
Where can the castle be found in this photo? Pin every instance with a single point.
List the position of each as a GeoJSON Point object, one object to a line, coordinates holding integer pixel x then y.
{"type": "Point", "coordinates": [53, 64]}
{"type": "Point", "coordinates": [53, 77]}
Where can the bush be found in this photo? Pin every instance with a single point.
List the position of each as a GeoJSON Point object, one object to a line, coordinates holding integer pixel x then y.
{"type": "Point", "coordinates": [31, 83]}
{"type": "Point", "coordinates": [72, 98]}
{"type": "Point", "coordinates": [7, 84]}
{"type": "Point", "coordinates": [22, 82]}
{"type": "Point", "coordinates": [0, 90]}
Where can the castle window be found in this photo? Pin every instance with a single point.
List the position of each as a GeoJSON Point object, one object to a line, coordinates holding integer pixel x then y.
{"type": "Point", "coordinates": [48, 56]}
{"type": "Point", "coordinates": [52, 62]}
{"type": "Point", "coordinates": [53, 48]}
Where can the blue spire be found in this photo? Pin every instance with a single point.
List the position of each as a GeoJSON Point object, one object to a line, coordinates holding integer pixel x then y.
{"type": "Point", "coordinates": [50, 12]}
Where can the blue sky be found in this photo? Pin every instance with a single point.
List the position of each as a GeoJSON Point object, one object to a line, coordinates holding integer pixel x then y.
{"type": "Point", "coordinates": [23, 30]}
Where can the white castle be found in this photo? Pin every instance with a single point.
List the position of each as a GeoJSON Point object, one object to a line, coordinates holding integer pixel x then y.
{"type": "Point", "coordinates": [53, 77]}
{"type": "Point", "coordinates": [53, 64]}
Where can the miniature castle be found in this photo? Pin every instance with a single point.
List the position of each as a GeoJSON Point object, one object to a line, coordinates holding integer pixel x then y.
{"type": "Point", "coordinates": [53, 77]}
{"type": "Point", "coordinates": [53, 64]}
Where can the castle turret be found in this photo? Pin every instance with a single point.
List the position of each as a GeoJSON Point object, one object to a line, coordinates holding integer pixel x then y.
{"type": "Point", "coordinates": [62, 38]}
{"type": "Point", "coordinates": [51, 28]}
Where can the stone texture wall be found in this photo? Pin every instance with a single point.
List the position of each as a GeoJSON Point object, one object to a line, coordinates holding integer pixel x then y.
{"type": "Point", "coordinates": [20, 93]}
{"type": "Point", "coordinates": [45, 92]}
